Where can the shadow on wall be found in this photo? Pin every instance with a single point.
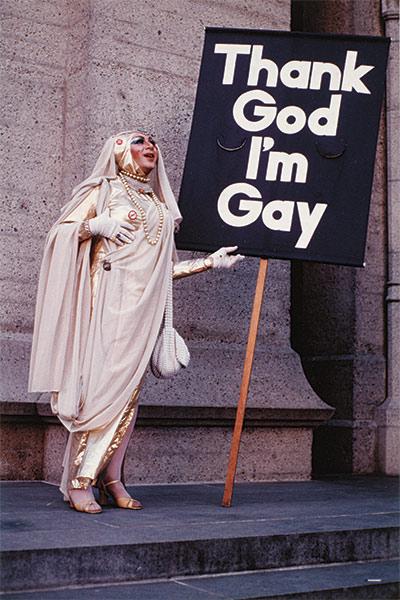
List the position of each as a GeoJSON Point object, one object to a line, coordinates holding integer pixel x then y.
{"type": "Point", "coordinates": [322, 317]}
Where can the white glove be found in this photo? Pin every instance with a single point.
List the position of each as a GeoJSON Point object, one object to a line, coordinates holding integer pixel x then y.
{"type": "Point", "coordinates": [113, 229]}
{"type": "Point", "coordinates": [222, 260]}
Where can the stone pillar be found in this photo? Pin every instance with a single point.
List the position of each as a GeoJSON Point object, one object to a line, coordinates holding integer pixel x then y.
{"type": "Point", "coordinates": [388, 415]}
{"type": "Point", "coordinates": [339, 312]}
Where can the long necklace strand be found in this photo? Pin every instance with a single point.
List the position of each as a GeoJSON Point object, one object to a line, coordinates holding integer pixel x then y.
{"type": "Point", "coordinates": [151, 241]}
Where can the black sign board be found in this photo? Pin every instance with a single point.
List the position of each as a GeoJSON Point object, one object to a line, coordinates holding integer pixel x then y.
{"type": "Point", "coordinates": [282, 147]}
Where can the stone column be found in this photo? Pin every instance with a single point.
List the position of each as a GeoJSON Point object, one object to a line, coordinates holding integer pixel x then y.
{"type": "Point", "coordinates": [388, 415]}
{"type": "Point", "coordinates": [339, 316]}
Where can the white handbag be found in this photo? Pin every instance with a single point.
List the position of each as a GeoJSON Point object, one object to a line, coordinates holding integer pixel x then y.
{"type": "Point", "coordinates": [170, 353]}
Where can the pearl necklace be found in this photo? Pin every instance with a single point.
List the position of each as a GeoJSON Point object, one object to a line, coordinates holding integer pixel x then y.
{"type": "Point", "coordinates": [134, 176]}
{"type": "Point", "coordinates": [129, 191]}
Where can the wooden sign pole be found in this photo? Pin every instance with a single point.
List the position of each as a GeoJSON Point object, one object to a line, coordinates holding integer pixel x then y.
{"type": "Point", "coordinates": [244, 387]}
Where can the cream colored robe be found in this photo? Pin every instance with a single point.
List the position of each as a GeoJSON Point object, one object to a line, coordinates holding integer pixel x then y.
{"type": "Point", "coordinates": [110, 328]}
{"type": "Point", "coordinates": [95, 328]}
{"type": "Point", "coordinates": [110, 320]}
{"type": "Point", "coordinates": [102, 361]}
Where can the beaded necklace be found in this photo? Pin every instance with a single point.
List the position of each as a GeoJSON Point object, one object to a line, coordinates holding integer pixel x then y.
{"type": "Point", "coordinates": [134, 176]}
{"type": "Point", "coordinates": [129, 191]}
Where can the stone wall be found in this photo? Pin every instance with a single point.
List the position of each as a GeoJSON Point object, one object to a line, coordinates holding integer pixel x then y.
{"type": "Point", "coordinates": [77, 72]}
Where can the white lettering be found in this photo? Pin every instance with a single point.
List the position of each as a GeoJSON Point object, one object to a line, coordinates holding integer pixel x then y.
{"type": "Point", "coordinates": [257, 64]}
{"type": "Point", "coordinates": [291, 119]}
{"type": "Point", "coordinates": [254, 157]}
{"type": "Point", "coordinates": [266, 113]}
{"type": "Point", "coordinates": [253, 207]}
{"type": "Point", "coordinates": [231, 51]}
{"type": "Point", "coordinates": [282, 222]}
{"type": "Point", "coordinates": [319, 69]}
{"type": "Point", "coordinates": [268, 144]}
{"type": "Point", "coordinates": [296, 73]}
{"type": "Point", "coordinates": [330, 115]}
{"type": "Point", "coordinates": [276, 215]}
{"type": "Point", "coordinates": [257, 142]}
{"type": "Point", "coordinates": [308, 222]}
{"type": "Point", "coordinates": [287, 162]}
{"type": "Point", "coordinates": [352, 75]}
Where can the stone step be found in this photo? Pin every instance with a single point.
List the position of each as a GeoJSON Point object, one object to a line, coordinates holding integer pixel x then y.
{"type": "Point", "coordinates": [362, 580]}
{"type": "Point", "coordinates": [116, 562]}
{"type": "Point", "coordinates": [183, 531]}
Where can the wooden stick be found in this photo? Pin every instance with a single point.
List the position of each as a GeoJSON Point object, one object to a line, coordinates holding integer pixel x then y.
{"type": "Point", "coordinates": [244, 387]}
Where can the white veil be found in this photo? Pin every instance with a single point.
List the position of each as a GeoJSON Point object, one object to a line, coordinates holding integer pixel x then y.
{"type": "Point", "coordinates": [106, 168]}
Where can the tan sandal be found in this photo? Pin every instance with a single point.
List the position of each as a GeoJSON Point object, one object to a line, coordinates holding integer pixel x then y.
{"type": "Point", "coordinates": [122, 502]}
{"type": "Point", "coordinates": [91, 507]}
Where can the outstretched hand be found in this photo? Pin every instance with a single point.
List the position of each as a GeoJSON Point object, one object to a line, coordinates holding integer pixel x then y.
{"type": "Point", "coordinates": [221, 259]}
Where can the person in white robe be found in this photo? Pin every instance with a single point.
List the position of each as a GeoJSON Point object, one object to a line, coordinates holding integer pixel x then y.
{"type": "Point", "coordinates": [101, 299]}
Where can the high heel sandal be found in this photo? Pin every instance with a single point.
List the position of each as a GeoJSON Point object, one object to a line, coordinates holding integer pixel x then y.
{"type": "Point", "coordinates": [90, 507]}
{"type": "Point", "coordinates": [122, 502]}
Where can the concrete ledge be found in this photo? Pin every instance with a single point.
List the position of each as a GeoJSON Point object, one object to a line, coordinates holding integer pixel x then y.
{"type": "Point", "coordinates": [171, 443]}
{"type": "Point", "coordinates": [182, 416]}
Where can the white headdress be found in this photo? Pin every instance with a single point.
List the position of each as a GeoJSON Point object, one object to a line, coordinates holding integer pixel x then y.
{"type": "Point", "coordinates": [116, 153]}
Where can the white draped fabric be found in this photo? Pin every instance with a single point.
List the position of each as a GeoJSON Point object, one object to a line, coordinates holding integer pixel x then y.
{"type": "Point", "coordinates": [95, 328]}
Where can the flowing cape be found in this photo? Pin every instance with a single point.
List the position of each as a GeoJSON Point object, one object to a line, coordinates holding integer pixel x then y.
{"type": "Point", "coordinates": [93, 362]}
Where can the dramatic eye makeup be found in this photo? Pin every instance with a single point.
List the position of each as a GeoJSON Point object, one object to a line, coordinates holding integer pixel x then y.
{"type": "Point", "coordinates": [139, 139]}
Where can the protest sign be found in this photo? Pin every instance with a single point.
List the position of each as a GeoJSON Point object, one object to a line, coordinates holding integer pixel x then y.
{"type": "Point", "coordinates": [282, 147]}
